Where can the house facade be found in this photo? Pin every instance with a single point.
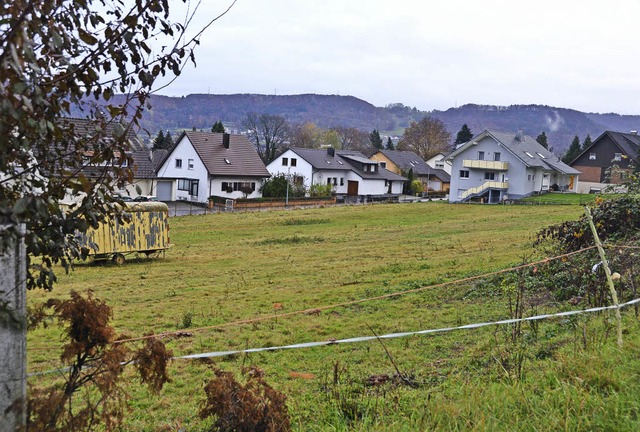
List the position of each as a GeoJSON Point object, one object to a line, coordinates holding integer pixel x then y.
{"type": "Point", "coordinates": [401, 162]}
{"type": "Point", "coordinates": [607, 160]}
{"type": "Point", "coordinates": [495, 166]}
{"type": "Point", "coordinates": [203, 164]}
{"type": "Point", "coordinates": [350, 173]}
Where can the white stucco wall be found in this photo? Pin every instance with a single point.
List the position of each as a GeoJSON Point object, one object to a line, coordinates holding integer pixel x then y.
{"type": "Point", "coordinates": [184, 151]}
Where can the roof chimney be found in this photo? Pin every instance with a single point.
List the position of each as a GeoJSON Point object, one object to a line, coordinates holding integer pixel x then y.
{"type": "Point", "coordinates": [331, 151]}
{"type": "Point", "coordinates": [520, 135]}
{"type": "Point", "coordinates": [226, 138]}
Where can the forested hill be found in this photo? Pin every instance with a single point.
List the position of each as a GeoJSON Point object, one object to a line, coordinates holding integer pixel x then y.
{"type": "Point", "coordinates": [326, 111]}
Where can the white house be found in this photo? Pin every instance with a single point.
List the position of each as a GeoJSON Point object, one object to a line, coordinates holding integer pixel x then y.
{"type": "Point", "coordinates": [203, 164]}
{"type": "Point", "coordinates": [495, 166]}
{"type": "Point", "coordinates": [349, 172]}
{"type": "Point", "coordinates": [438, 161]}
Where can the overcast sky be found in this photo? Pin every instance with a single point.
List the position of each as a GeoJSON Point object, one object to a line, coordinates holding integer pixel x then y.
{"type": "Point", "coordinates": [431, 55]}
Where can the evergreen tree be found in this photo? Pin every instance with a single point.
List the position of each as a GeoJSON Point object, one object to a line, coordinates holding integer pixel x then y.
{"type": "Point", "coordinates": [464, 135]}
{"type": "Point", "coordinates": [218, 127]}
{"type": "Point", "coordinates": [159, 141]}
{"type": "Point", "coordinates": [168, 141]}
{"type": "Point", "coordinates": [390, 145]}
{"type": "Point", "coordinates": [587, 142]}
{"type": "Point", "coordinates": [542, 140]}
{"type": "Point", "coordinates": [573, 151]}
{"type": "Point", "coordinates": [376, 141]}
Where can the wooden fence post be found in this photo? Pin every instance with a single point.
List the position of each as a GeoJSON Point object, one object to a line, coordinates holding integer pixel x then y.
{"type": "Point", "coordinates": [607, 272]}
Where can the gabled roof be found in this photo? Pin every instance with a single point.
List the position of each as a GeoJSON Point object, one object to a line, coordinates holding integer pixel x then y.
{"type": "Point", "coordinates": [441, 174]}
{"type": "Point", "coordinates": [406, 160]}
{"type": "Point", "coordinates": [143, 161]}
{"type": "Point", "coordinates": [525, 148]}
{"type": "Point", "coordinates": [240, 159]}
{"type": "Point", "coordinates": [344, 160]}
{"type": "Point", "coordinates": [628, 143]}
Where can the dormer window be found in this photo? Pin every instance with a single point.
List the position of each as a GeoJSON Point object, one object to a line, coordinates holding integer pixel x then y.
{"type": "Point", "coordinates": [340, 162]}
{"type": "Point", "coordinates": [227, 161]}
{"type": "Point", "coordinates": [541, 155]}
{"type": "Point", "coordinates": [529, 154]}
{"type": "Point", "coordinates": [328, 162]}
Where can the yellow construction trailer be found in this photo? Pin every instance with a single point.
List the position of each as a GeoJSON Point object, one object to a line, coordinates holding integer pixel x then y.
{"type": "Point", "coordinates": [147, 233]}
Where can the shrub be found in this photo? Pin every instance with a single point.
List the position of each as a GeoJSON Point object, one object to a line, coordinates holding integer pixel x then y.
{"type": "Point", "coordinates": [276, 187]}
{"type": "Point", "coordinates": [253, 406]}
{"type": "Point", "coordinates": [320, 190]}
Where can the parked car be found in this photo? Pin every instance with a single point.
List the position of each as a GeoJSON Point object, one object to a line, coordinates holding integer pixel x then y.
{"type": "Point", "coordinates": [125, 198]}
{"type": "Point", "coordinates": [146, 198]}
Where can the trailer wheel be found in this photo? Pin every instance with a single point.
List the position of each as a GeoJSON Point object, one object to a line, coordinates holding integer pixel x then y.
{"type": "Point", "coordinates": [118, 259]}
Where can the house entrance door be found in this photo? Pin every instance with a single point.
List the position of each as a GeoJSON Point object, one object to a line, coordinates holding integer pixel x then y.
{"type": "Point", "coordinates": [352, 188]}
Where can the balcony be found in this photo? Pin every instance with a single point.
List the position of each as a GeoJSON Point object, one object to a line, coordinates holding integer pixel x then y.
{"type": "Point", "coordinates": [483, 188]}
{"type": "Point", "coordinates": [485, 165]}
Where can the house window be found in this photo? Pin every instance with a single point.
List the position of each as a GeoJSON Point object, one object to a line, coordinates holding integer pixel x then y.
{"type": "Point", "coordinates": [496, 156]}
{"type": "Point", "coordinates": [183, 184]}
{"type": "Point", "coordinates": [178, 163]}
{"type": "Point", "coordinates": [294, 162]}
{"type": "Point", "coordinates": [383, 165]}
{"type": "Point", "coordinates": [617, 157]}
{"type": "Point", "coordinates": [335, 181]}
{"type": "Point", "coordinates": [489, 176]}
{"type": "Point", "coordinates": [190, 164]}
{"type": "Point", "coordinates": [341, 181]}
{"type": "Point", "coordinates": [529, 177]}
{"type": "Point", "coordinates": [480, 155]}
{"type": "Point", "coordinates": [329, 180]}
{"type": "Point", "coordinates": [285, 161]}
{"type": "Point", "coordinates": [592, 156]}
{"type": "Point", "coordinates": [464, 174]}
{"type": "Point", "coordinates": [190, 186]}
{"type": "Point", "coordinates": [227, 187]}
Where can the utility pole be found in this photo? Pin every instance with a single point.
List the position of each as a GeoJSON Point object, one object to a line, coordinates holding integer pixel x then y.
{"type": "Point", "coordinates": [13, 333]}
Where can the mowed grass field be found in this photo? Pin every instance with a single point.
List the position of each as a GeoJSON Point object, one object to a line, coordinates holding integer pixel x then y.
{"type": "Point", "coordinates": [231, 267]}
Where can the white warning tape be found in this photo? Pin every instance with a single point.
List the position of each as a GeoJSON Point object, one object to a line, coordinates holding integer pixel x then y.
{"type": "Point", "coordinates": [403, 334]}
{"type": "Point", "coordinates": [385, 336]}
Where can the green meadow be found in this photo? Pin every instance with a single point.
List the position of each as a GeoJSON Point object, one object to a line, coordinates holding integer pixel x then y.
{"type": "Point", "coordinates": [283, 270]}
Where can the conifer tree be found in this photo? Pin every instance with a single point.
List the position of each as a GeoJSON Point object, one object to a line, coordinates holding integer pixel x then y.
{"type": "Point", "coordinates": [218, 127]}
{"type": "Point", "coordinates": [587, 142]}
{"type": "Point", "coordinates": [573, 151]}
{"type": "Point", "coordinates": [376, 141]}
{"type": "Point", "coordinates": [158, 142]}
{"type": "Point", "coordinates": [542, 140]}
{"type": "Point", "coordinates": [464, 135]}
{"type": "Point", "coordinates": [390, 145]}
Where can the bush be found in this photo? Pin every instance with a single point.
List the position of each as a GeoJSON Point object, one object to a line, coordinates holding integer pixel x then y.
{"type": "Point", "coordinates": [415, 187]}
{"type": "Point", "coordinates": [253, 406]}
{"type": "Point", "coordinates": [276, 187]}
{"type": "Point", "coordinates": [320, 190]}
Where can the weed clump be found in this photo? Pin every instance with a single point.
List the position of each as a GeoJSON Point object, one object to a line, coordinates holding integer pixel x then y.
{"type": "Point", "coordinates": [253, 406]}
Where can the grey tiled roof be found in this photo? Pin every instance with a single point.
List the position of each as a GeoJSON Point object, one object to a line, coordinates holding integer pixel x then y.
{"type": "Point", "coordinates": [406, 160]}
{"type": "Point", "coordinates": [143, 166]}
{"type": "Point", "coordinates": [239, 160]}
{"type": "Point", "coordinates": [441, 174]}
{"type": "Point", "coordinates": [344, 160]}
